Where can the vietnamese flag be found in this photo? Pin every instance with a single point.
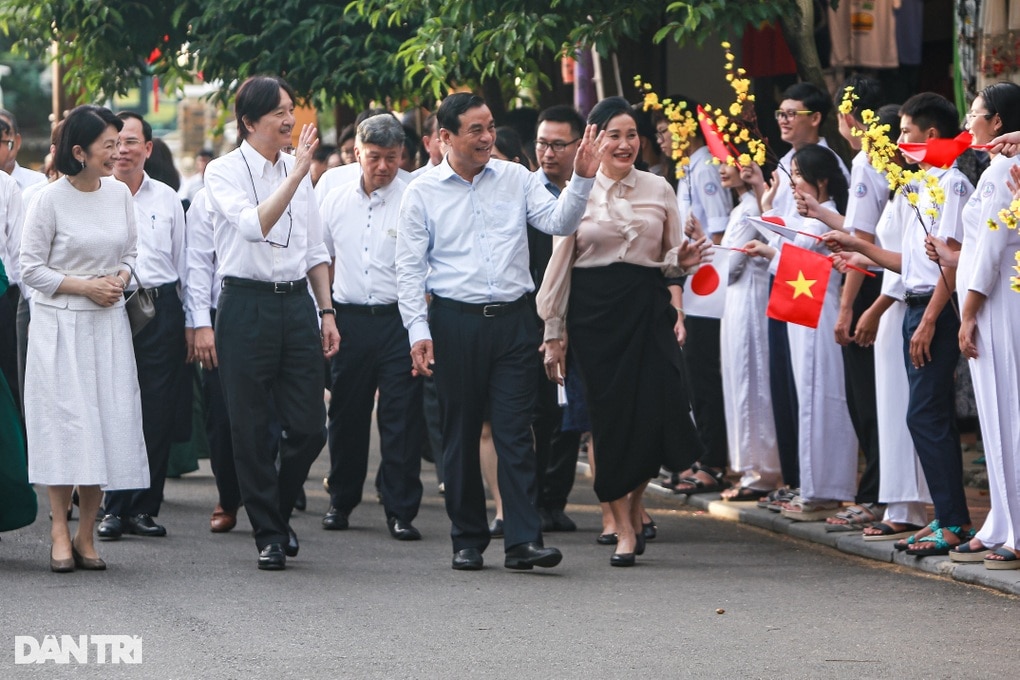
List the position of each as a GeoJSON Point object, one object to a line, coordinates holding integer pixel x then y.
{"type": "Point", "coordinates": [939, 152]}
{"type": "Point", "coordinates": [798, 290]}
{"type": "Point", "coordinates": [713, 138]}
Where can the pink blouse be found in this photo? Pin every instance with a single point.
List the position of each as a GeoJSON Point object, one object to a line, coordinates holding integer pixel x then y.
{"type": "Point", "coordinates": [633, 220]}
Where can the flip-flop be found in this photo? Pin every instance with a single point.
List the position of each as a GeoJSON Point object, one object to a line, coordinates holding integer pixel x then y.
{"type": "Point", "coordinates": [743, 494]}
{"type": "Point", "coordinates": [854, 518]}
{"type": "Point", "coordinates": [891, 534]}
{"type": "Point", "coordinates": [965, 553]}
{"type": "Point", "coordinates": [1009, 560]}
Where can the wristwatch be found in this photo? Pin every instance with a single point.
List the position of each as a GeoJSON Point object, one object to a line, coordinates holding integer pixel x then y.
{"type": "Point", "coordinates": [327, 310]}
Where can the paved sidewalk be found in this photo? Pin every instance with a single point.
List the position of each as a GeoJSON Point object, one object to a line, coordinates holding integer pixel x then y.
{"type": "Point", "coordinates": [853, 543]}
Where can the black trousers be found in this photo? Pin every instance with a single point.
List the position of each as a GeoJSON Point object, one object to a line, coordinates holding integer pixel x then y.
{"type": "Point", "coordinates": [703, 364]}
{"type": "Point", "coordinates": [433, 425]}
{"type": "Point", "coordinates": [375, 355]}
{"type": "Point", "coordinates": [555, 450]}
{"type": "Point", "coordinates": [268, 346]}
{"type": "Point", "coordinates": [859, 374]}
{"type": "Point", "coordinates": [165, 384]}
{"type": "Point", "coordinates": [483, 360]}
{"type": "Point", "coordinates": [784, 402]}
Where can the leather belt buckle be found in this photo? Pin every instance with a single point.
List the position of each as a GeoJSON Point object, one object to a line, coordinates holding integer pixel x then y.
{"type": "Point", "coordinates": [283, 287]}
{"type": "Point", "coordinates": [491, 311]}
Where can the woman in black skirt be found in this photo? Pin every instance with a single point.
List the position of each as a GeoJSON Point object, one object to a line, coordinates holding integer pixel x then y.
{"type": "Point", "coordinates": [607, 289]}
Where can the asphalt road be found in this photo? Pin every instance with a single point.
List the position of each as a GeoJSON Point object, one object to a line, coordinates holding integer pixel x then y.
{"type": "Point", "coordinates": [358, 604]}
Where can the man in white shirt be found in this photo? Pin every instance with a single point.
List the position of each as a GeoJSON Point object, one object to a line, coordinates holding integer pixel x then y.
{"type": "Point", "coordinates": [431, 143]}
{"type": "Point", "coordinates": [462, 238]}
{"type": "Point", "coordinates": [10, 145]}
{"type": "Point", "coordinates": [160, 348]}
{"type": "Point", "coordinates": [269, 242]}
{"type": "Point", "coordinates": [193, 184]}
{"type": "Point", "coordinates": [360, 228]}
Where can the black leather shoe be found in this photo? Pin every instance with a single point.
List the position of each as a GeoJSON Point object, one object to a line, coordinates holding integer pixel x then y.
{"type": "Point", "coordinates": [402, 531]}
{"type": "Point", "coordinates": [143, 525]}
{"type": "Point", "coordinates": [606, 539]}
{"type": "Point", "coordinates": [560, 521]}
{"type": "Point", "coordinates": [301, 502]}
{"type": "Point", "coordinates": [650, 529]}
{"type": "Point", "coordinates": [529, 555]}
{"type": "Point", "coordinates": [496, 528]}
{"type": "Point", "coordinates": [335, 520]}
{"type": "Point", "coordinates": [547, 521]}
{"type": "Point", "coordinates": [110, 529]}
{"type": "Point", "coordinates": [468, 559]}
{"type": "Point", "coordinates": [272, 558]}
{"type": "Point", "coordinates": [622, 560]}
{"type": "Point", "coordinates": [292, 546]}
{"type": "Point", "coordinates": [639, 548]}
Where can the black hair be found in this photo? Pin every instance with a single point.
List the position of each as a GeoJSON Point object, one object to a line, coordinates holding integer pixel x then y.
{"type": "Point", "coordinates": [205, 153]}
{"type": "Point", "coordinates": [450, 111]}
{"type": "Point", "coordinates": [323, 152]}
{"type": "Point", "coordinates": [813, 98]}
{"type": "Point", "coordinates": [5, 127]}
{"type": "Point", "coordinates": [929, 110]}
{"type": "Point", "coordinates": [563, 113]}
{"type": "Point", "coordinates": [608, 109]}
{"type": "Point", "coordinates": [867, 94]}
{"type": "Point", "coordinates": [890, 115]}
{"type": "Point", "coordinates": [348, 133]}
{"type": "Point", "coordinates": [429, 126]}
{"type": "Point", "coordinates": [817, 163]}
{"type": "Point", "coordinates": [11, 120]}
{"type": "Point", "coordinates": [1003, 99]}
{"type": "Point", "coordinates": [509, 144]}
{"type": "Point", "coordinates": [160, 165]}
{"type": "Point", "coordinates": [146, 128]}
{"type": "Point", "coordinates": [413, 144]}
{"type": "Point", "coordinates": [81, 127]}
{"type": "Point", "coordinates": [256, 97]}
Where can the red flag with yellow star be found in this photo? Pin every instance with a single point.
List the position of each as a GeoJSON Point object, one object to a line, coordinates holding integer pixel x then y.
{"type": "Point", "coordinates": [798, 289]}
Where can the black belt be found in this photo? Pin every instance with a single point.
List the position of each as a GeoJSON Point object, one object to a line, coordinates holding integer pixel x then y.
{"type": "Point", "coordinates": [367, 310]}
{"type": "Point", "coordinates": [280, 287]}
{"type": "Point", "coordinates": [917, 299]}
{"type": "Point", "coordinates": [157, 291]}
{"type": "Point", "coordinates": [490, 310]}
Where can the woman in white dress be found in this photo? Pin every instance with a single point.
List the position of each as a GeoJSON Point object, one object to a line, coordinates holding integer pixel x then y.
{"type": "Point", "coordinates": [989, 331]}
{"type": "Point", "coordinates": [750, 426]}
{"type": "Point", "coordinates": [827, 443]}
{"type": "Point", "coordinates": [82, 403]}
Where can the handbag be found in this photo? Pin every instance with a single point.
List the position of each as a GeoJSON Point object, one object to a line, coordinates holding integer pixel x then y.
{"type": "Point", "coordinates": [140, 307]}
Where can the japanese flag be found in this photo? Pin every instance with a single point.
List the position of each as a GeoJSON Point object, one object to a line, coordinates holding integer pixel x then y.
{"type": "Point", "coordinates": [705, 294]}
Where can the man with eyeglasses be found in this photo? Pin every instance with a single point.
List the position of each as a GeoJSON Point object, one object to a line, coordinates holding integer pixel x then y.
{"type": "Point", "coordinates": [461, 237]}
{"type": "Point", "coordinates": [10, 145]}
{"type": "Point", "coordinates": [800, 115]}
{"type": "Point", "coordinates": [269, 240]}
{"type": "Point", "coordinates": [557, 136]}
{"type": "Point", "coordinates": [160, 348]}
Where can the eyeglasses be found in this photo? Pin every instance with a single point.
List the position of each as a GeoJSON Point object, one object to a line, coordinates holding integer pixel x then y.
{"type": "Point", "coordinates": [9, 143]}
{"type": "Point", "coordinates": [971, 115]}
{"type": "Point", "coordinates": [661, 134]}
{"type": "Point", "coordinates": [558, 146]}
{"type": "Point", "coordinates": [290, 217]}
{"type": "Point", "coordinates": [787, 115]}
{"type": "Point", "coordinates": [130, 142]}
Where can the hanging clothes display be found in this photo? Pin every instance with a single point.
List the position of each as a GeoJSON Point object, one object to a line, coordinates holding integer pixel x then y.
{"type": "Point", "coordinates": [863, 34]}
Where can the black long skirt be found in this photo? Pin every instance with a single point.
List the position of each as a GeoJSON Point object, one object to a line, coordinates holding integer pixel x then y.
{"type": "Point", "coordinates": [620, 326]}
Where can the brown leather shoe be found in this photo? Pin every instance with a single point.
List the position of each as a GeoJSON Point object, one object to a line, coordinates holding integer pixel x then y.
{"type": "Point", "coordinates": [222, 520]}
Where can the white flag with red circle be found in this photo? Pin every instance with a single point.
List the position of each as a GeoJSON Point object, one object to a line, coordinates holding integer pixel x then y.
{"type": "Point", "coordinates": [705, 292]}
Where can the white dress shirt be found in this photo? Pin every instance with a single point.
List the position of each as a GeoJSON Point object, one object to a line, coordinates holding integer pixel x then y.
{"type": "Point", "coordinates": [11, 218]}
{"type": "Point", "coordinates": [365, 229]}
{"type": "Point", "coordinates": [160, 219]}
{"type": "Point", "coordinates": [467, 241]}
{"type": "Point", "coordinates": [700, 192]}
{"type": "Point", "coordinates": [203, 278]}
{"type": "Point", "coordinates": [235, 183]}
{"type": "Point", "coordinates": [869, 192]}
{"type": "Point", "coordinates": [921, 275]}
{"type": "Point", "coordinates": [26, 177]}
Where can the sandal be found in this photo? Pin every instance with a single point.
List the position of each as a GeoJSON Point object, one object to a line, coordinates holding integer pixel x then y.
{"type": "Point", "coordinates": [854, 518]}
{"type": "Point", "coordinates": [1001, 559]}
{"type": "Point", "coordinates": [965, 552]}
{"type": "Point", "coordinates": [887, 532]}
{"type": "Point", "coordinates": [936, 543]}
{"type": "Point", "coordinates": [775, 499]}
{"type": "Point", "coordinates": [905, 543]}
{"type": "Point", "coordinates": [695, 485]}
{"type": "Point", "coordinates": [800, 510]}
{"type": "Point", "coordinates": [742, 494]}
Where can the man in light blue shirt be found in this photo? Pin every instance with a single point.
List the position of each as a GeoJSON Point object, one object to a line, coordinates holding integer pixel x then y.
{"type": "Point", "coordinates": [462, 239]}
